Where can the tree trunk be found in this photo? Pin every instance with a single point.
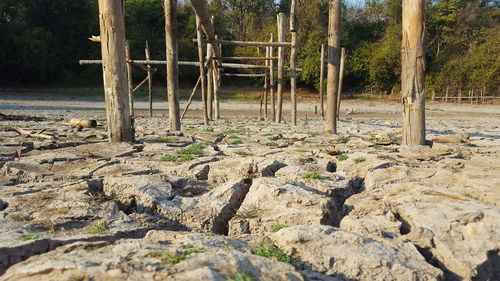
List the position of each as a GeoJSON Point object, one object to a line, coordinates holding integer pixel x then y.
{"type": "Point", "coordinates": [293, 60]}
{"type": "Point", "coordinates": [321, 77]}
{"type": "Point", "coordinates": [333, 66]}
{"type": "Point", "coordinates": [202, 71]}
{"type": "Point", "coordinates": [172, 65]}
{"type": "Point", "coordinates": [114, 64]}
{"type": "Point", "coordinates": [281, 60]}
{"type": "Point", "coordinates": [412, 73]}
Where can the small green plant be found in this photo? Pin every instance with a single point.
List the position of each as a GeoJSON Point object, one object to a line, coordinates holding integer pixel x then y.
{"type": "Point", "coordinates": [21, 218]}
{"type": "Point", "coordinates": [168, 159]}
{"type": "Point", "coordinates": [342, 157]}
{"type": "Point", "coordinates": [342, 140]}
{"type": "Point", "coordinates": [268, 135]}
{"type": "Point", "coordinates": [233, 137]}
{"type": "Point", "coordinates": [73, 180]}
{"type": "Point", "coordinates": [312, 176]}
{"type": "Point", "coordinates": [376, 146]}
{"type": "Point", "coordinates": [246, 215]}
{"type": "Point", "coordinates": [236, 131]}
{"type": "Point", "coordinates": [302, 150]}
{"type": "Point", "coordinates": [212, 187]}
{"type": "Point", "coordinates": [274, 252]}
{"type": "Point", "coordinates": [162, 140]}
{"type": "Point", "coordinates": [98, 227]}
{"type": "Point", "coordinates": [271, 144]}
{"type": "Point", "coordinates": [241, 153]}
{"type": "Point", "coordinates": [236, 142]}
{"type": "Point", "coordinates": [277, 227]}
{"type": "Point", "coordinates": [359, 160]}
{"type": "Point", "coordinates": [194, 149]}
{"type": "Point", "coordinates": [471, 145]}
{"type": "Point", "coordinates": [175, 258]}
{"type": "Point", "coordinates": [30, 236]}
{"type": "Point", "coordinates": [221, 135]}
{"type": "Point", "coordinates": [209, 129]}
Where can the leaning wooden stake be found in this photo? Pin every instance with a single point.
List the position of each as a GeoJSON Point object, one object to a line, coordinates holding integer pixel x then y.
{"type": "Point", "coordinates": [293, 60]}
{"type": "Point", "coordinates": [281, 60]}
{"type": "Point", "coordinates": [210, 84]}
{"type": "Point", "coordinates": [150, 81]}
{"type": "Point", "coordinates": [333, 66]}
{"type": "Point", "coordinates": [271, 80]}
{"type": "Point", "coordinates": [343, 54]}
{"type": "Point", "coordinates": [112, 25]}
{"type": "Point", "coordinates": [412, 73]}
{"type": "Point", "coordinates": [202, 71]}
{"type": "Point", "coordinates": [191, 97]}
{"type": "Point", "coordinates": [321, 77]}
{"type": "Point", "coordinates": [129, 79]}
{"type": "Point", "coordinates": [172, 66]}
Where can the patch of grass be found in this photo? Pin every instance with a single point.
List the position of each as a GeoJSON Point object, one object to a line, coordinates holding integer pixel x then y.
{"type": "Point", "coordinates": [274, 252]}
{"type": "Point", "coordinates": [233, 137]}
{"type": "Point", "coordinates": [239, 277]}
{"type": "Point", "coordinates": [30, 236]}
{"type": "Point", "coordinates": [376, 146]}
{"type": "Point", "coordinates": [212, 187]}
{"type": "Point", "coordinates": [236, 142]}
{"type": "Point", "coordinates": [268, 135]}
{"type": "Point", "coordinates": [168, 159]}
{"type": "Point", "coordinates": [98, 227]}
{"type": "Point", "coordinates": [312, 134]}
{"type": "Point", "coordinates": [302, 150]}
{"type": "Point", "coordinates": [277, 227]}
{"type": "Point", "coordinates": [342, 157]}
{"type": "Point", "coordinates": [21, 218]}
{"type": "Point", "coordinates": [194, 149]}
{"type": "Point", "coordinates": [359, 160]}
{"type": "Point", "coordinates": [241, 153]}
{"type": "Point", "coordinates": [209, 129]}
{"type": "Point", "coordinates": [312, 176]}
{"type": "Point", "coordinates": [73, 180]}
{"type": "Point", "coordinates": [236, 131]}
{"type": "Point", "coordinates": [342, 140]}
{"type": "Point", "coordinates": [271, 144]}
{"type": "Point", "coordinates": [175, 258]}
{"type": "Point", "coordinates": [163, 140]}
{"type": "Point", "coordinates": [221, 135]}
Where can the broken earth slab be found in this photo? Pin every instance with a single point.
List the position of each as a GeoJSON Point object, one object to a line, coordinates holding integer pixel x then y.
{"type": "Point", "coordinates": [161, 255]}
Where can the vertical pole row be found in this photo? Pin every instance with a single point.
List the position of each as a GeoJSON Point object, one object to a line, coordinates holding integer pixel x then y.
{"type": "Point", "coordinates": [202, 70]}
{"type": "Point", "coordinates": [150, 80]}
{"type": "Point", "coordinates": [271, 80]}
{"type": "Point", "coordinates": [321, 78]}
{"type": "Point", "coordinates": [172, 64]}
{"type": "Point", "coordinates": [293, 59]}
{"type": "Point", "coordinates": [333, 66]}
{"type": "Point", "coordinates": [281, 60]}
{"type": "Point", "coordinates": [343, 54]}
{"type": "Point", "coordinates": [114, 64]}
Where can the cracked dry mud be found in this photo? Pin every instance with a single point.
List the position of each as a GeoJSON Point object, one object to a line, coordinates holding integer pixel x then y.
{"type": "Point", "coordinates": [218, 202]}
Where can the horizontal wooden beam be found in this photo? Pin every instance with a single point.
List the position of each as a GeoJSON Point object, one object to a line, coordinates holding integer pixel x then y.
{"type": "Point", "coordinates": [243, 75]}
{"type": "Point", "coordinates": [246, 43]}
{"type": "Point", "coordinates": [246, 58]}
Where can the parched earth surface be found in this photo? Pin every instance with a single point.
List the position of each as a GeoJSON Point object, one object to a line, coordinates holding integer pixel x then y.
{"type": "Point", "coordinates": [248, 199]}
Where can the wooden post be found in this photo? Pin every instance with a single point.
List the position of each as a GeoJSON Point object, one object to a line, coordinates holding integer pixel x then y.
{"type": "Point", "coordinates": [460, 96]}
{"type": "Point", "coordinates": [271, 80]}
{"type": "Point", "coordinates": [281, 60]}
{"type": "Point", "coordinates": [114, 64]}
{"type": "Point", "coordinates": [293, 59]}
{"type": "Point", "coordinates": [333, 66]}
{"type": "Point", "coordinates": [446, 99]}
{"type": "Point", "coordinates": [202, 71]}
{"type": "Point", "coordinates": [483, 93]}
{"type": "Point", "coordinates": [412, 73]}
{"type": "Point", "coordinates": [472, 96]}
{"type": "Point", "coordinates": [172, 64]}
{"type": "Point", "coordinates": [129, 79]}
{"type": "Point", "coordinates": [150, 81]}
{"type": "Point", "coordinates": [343, 53]}
{"type": "Point", "coordinates": [321, 77]}
{"type": "Point", "coordinates": [217, 84]}
{"type": "Point", "coordinates": [266, 84]}
{"type": "Point", "coordinates": [210, 84]}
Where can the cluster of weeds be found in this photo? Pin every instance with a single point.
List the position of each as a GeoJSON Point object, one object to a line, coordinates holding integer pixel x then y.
{"type": "Point", "coordinates": [233, 137]}
{"type": "Point", "coordinates": [175, 258]}
{"type": "Point", "coordinates": [182, 158]}
{"type": "Point", "coordinates": [342, 140]}
{"type": "Point", "coordinates": [376, 146]}
{"type": "Point", "coordinates": [212, 187]}
{"type": "Point", "coordinates": [277, 227]}
{"type": "Point", "coordinates": [236, 131]}
{"type": "Point", "coordinates": [359, 160]}
{"type": "Point", "coordinates": [21, 218]}
{"type": "Point", "coordinates": [241, 153]}
{"type": "Point", "coordinates": [236, 142]}
{"type": "Point", "coordinates": [209, 129]}
{"type": "Point", "coordinates": [163, 140]}
{"type": "Point", "coordinates": [274, 252]}
{"type": "Point", "coordinates": [30, 236]}
{"type": "Point", "coordinates": [194, 149]}
{"type": "Point", "coordinates": [312, 176]}
{"type": "Point", "coordinates": [98, 227]}
{"type": "Point", "coordinates": [271, 144]}
{"type": "Point", "coordinates": [342, 157]}
{"type": "Point", "coordinates": [220, 135]}
{"type": "Point", "coordinates": [268, 135]}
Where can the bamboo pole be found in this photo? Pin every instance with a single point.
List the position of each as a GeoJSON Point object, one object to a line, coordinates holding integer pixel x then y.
{"type": "Point", "coordinates": [343, 54]}
{"type": "Point", "coordinates": [243, 75]}
{"type": "Point", "coordinates": [150, 81]}
{"type": "Point", "coordinates": [202, 71]}
{"type": "Point", "coordinates": [293, 59]}
{"type": "Point", "coordinates": [129, 80]}
{"type": "Point", "coordinates": [281, 60]}
{"type": "Point", "coordinates": [271, 80]}
{"type": "Point", "coordinates": [172, 66]}
{"type": "Point", "coordinates": [112, 34]}
{"type": "Point", "coordinates": [412, 73]}
{"type": "Point", "coordinates": [333, 66]}
{"type": "Point", "coordinates": [321, 77]}
{"type": "Point", "coordinates": [247, 43]}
